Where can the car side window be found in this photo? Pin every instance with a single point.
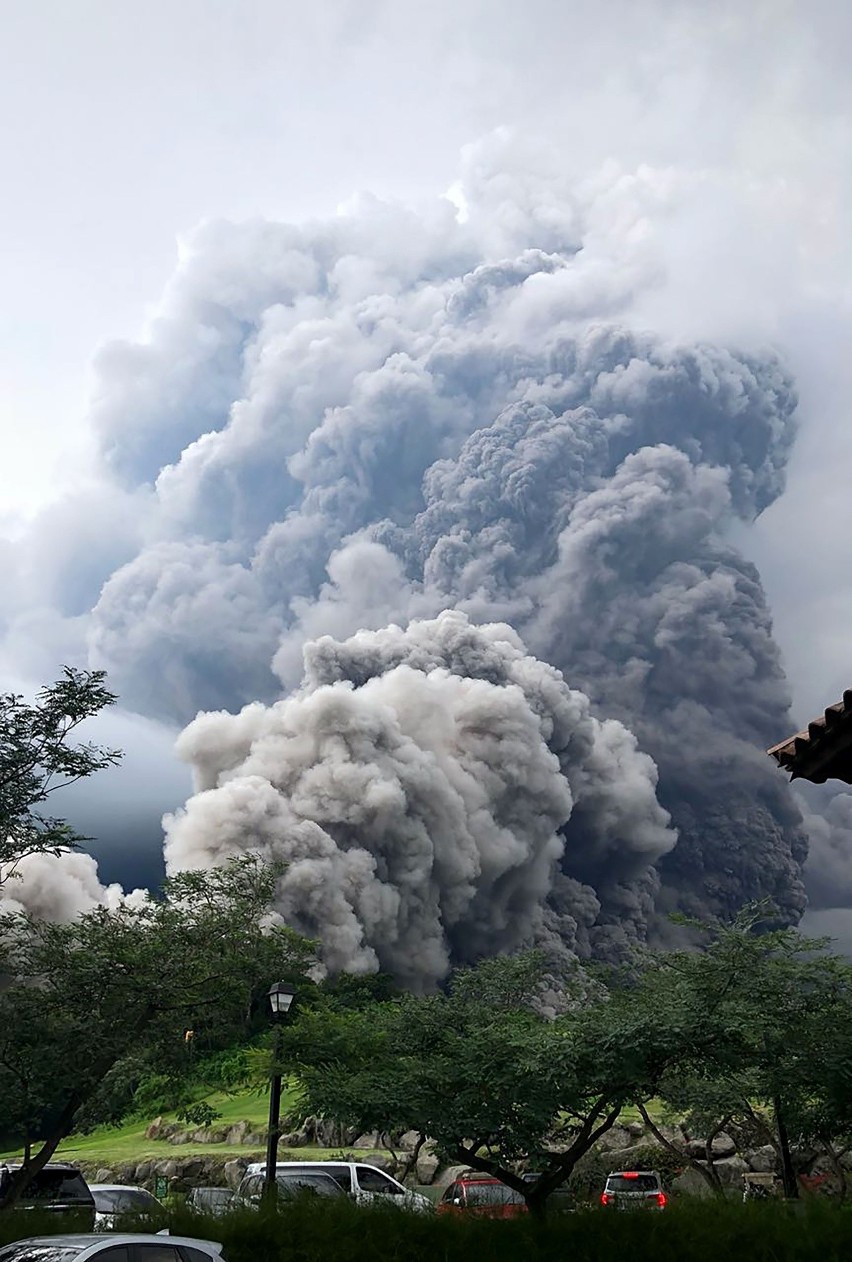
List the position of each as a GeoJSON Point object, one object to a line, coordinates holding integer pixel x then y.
{"type": "Point", "coordinates": [451, 1192]}
{"type": "Point", "coordinates": [192, 1255]}
{"type": "Point", "coordinates": [374, 1181]}
{"type": "Point", "coordinates": [156, 1253]}
{"type": "Point", "coordinates": [119, 1253]}
{"type": "Point", "coordinates": [341, 1174]}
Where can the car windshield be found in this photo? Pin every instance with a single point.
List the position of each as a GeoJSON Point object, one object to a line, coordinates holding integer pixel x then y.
{"type": "Point", "coordinates": [492, 1194]}
{"type": "Point", "coordinates": [58, 1185]}
{"type": "Point", "coordinates": [632, 1183]}
{"type": "Point", "coordinates": [24, 1252]}
{"type": "Point", "coordinates": [123, 1201]}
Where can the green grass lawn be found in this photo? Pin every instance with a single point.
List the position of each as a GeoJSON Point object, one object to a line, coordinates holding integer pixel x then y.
{"type": "Point", "coordinates": [111, 1145]}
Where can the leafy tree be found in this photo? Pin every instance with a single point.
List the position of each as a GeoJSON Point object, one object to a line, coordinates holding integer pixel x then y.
{"type": "Point", "coordinates": [775, 1058]}
{"type": "Point", "coordinates": [117, 986]}
{"type": "Point", "coordinates": [38, 756]}
{"type": "Point", "coordinates": [482, 1071]}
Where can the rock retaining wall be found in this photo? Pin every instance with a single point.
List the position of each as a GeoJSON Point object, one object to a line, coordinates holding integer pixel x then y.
{"type": "Point", "coordinates": [622, 1147]}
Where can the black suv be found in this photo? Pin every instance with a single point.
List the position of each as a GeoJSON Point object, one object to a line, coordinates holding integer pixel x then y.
{"type": "Point", "coordinates": [57, 1189]}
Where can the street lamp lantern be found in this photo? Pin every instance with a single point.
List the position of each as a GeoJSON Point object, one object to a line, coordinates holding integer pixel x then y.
{"type": "Point", "coordinates": [280, 998]}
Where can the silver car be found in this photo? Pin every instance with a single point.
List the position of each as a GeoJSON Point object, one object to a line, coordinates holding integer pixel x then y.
{"type": "Point", "coordinates": [290, 1186]}
{"type": "Point", "coordinates": [118, 1248]}
{"type": "Point", "coordinates": [215, 1201]}
{"type": "Point", "coordinates": [633, 1189]}
{"type": "Point", "coordinates": [114, 1201]}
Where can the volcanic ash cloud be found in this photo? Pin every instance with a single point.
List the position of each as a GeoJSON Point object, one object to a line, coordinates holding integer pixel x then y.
{"type": "Point", "coordinates": [365, 421]}
{"type": "Point", "coordinates": [417, 786]}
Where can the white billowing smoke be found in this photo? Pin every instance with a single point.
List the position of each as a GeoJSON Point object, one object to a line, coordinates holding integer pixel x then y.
{"type": "Point", "coordinates": [417, 787]}
{"type": "Point", "coordinates": [57, 887]}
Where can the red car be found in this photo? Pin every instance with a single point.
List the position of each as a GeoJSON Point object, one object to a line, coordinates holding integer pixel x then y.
{"type": "Point", "coordinates": [483, 1195]}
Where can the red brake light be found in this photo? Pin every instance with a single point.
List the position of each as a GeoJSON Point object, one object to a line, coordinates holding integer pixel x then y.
{"type": "Point", "coordinates": [630, 1174]}
{"type": "Point", "coordinates": [661, 1199]}
{"type": "Point", "coordinates": [604, 1199]}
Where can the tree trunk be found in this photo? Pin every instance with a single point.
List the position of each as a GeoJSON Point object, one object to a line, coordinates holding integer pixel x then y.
{"type": "Point", "coordinates": [788, 1174]}
{"type": "Point", "coordinates": [562, 1164]}
{"type": "Point", "coordinates": [408, 1163]}
{"type": "Point", "coordinates": [707, 1171]}
{"type": "Point", "coordinates": [18, 1183]}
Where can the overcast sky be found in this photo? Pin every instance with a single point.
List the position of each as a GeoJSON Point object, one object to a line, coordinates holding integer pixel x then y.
{"type": "Point", "coordinates": [126, 124]}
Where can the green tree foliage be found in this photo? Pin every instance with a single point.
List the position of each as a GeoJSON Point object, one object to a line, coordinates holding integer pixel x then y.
{"type": "Point", "coordinates": [772, 1012]}
{"type": "Point", "coordinates": [752, 1034]}
{"type": "Point", "coordinates": [481, 1069]}
{"type": "Point", "coordinates": [118, 986]}
{"type": "Point", "coordinates": [38, 755]}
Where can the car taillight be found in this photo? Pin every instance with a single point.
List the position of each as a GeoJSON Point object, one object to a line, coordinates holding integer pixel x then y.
{"type": "Point", "coordinates": [605, 1199]}
{"type": "Point", "coordinates": [661, 1200]}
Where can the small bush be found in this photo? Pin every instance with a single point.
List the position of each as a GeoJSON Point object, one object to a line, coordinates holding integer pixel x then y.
{"type": "Point", "coordinates": [199, 1114]}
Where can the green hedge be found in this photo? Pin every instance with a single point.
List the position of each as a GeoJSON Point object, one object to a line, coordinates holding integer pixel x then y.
{"type": "Point", "coordinates": [343, 1233]}
{"type": "Point", "coordinates": [699, 1232]}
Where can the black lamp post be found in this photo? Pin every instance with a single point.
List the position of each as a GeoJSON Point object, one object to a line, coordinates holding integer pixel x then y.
{"type": "Point", "coordinates": [280, 999]}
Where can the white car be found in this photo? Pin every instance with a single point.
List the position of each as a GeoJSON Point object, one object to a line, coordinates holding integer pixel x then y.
{"type": "Point", "coordinates": [290, 1184]}
{"type": "Point", "coordinates": [365, 1184]}
{"type": "Point", "coordinates": [118, 1248]}
{"type": "Point", "coordinates": [116, 1200]}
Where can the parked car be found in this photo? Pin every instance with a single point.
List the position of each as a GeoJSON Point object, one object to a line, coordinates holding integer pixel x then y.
{"type": "Point", "coordinates": [290, 1184]}
{"type": "Point", "coordinates": [215, 1201]}
{"type": "Point", "coordinates": [365, 1184]}
{"type": "Point", "coordinates": [117, 1248]}
{"type": "Point", "coordinates": [57, 1188]}
{"type": "Point", "coordinates": [561, 1199]}
{"type": "Point", "coordinates": [114, 1201]}
{"type": "Point", "coordinates": [634, 1189]}
{"type": "Point", "coordinates": [482, 1195]}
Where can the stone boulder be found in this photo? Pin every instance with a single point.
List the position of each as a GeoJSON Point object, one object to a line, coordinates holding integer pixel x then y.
{"type": "Point", "coordinates": [763, 1160]}
{"type": "Point", "coordinates": [103, 1176]}
{"type": "Point", "coordinates": [691, 1183]}
{"type": "Point", "coordinates": [731, 1170]}
{"type": "Point", "coordinates": [616, 1137]}
{"type": "Point", "coordinates": [722, 1146]}
{"type": "Point", "coordinates": [233, 1171]}
{"type": "Point", "coordinates": [449, 1175]}
{"type": "Point", "coordinates": [370, 1139]}
{"type": "Point", "coordinates": [236, 1134]}
{"type": "Point", "coordinates": [427, 1165]}
{"type": "Point", "coordinates": [409, 1141]}
{"type": "Point", "coordinates": [209, 1135]}
{"type": "Point", "coordinates": [381, 1160]}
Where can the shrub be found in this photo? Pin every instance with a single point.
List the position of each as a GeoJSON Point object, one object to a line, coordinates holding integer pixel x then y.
{"type": "Point", "coordinates": [307, 1232]}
